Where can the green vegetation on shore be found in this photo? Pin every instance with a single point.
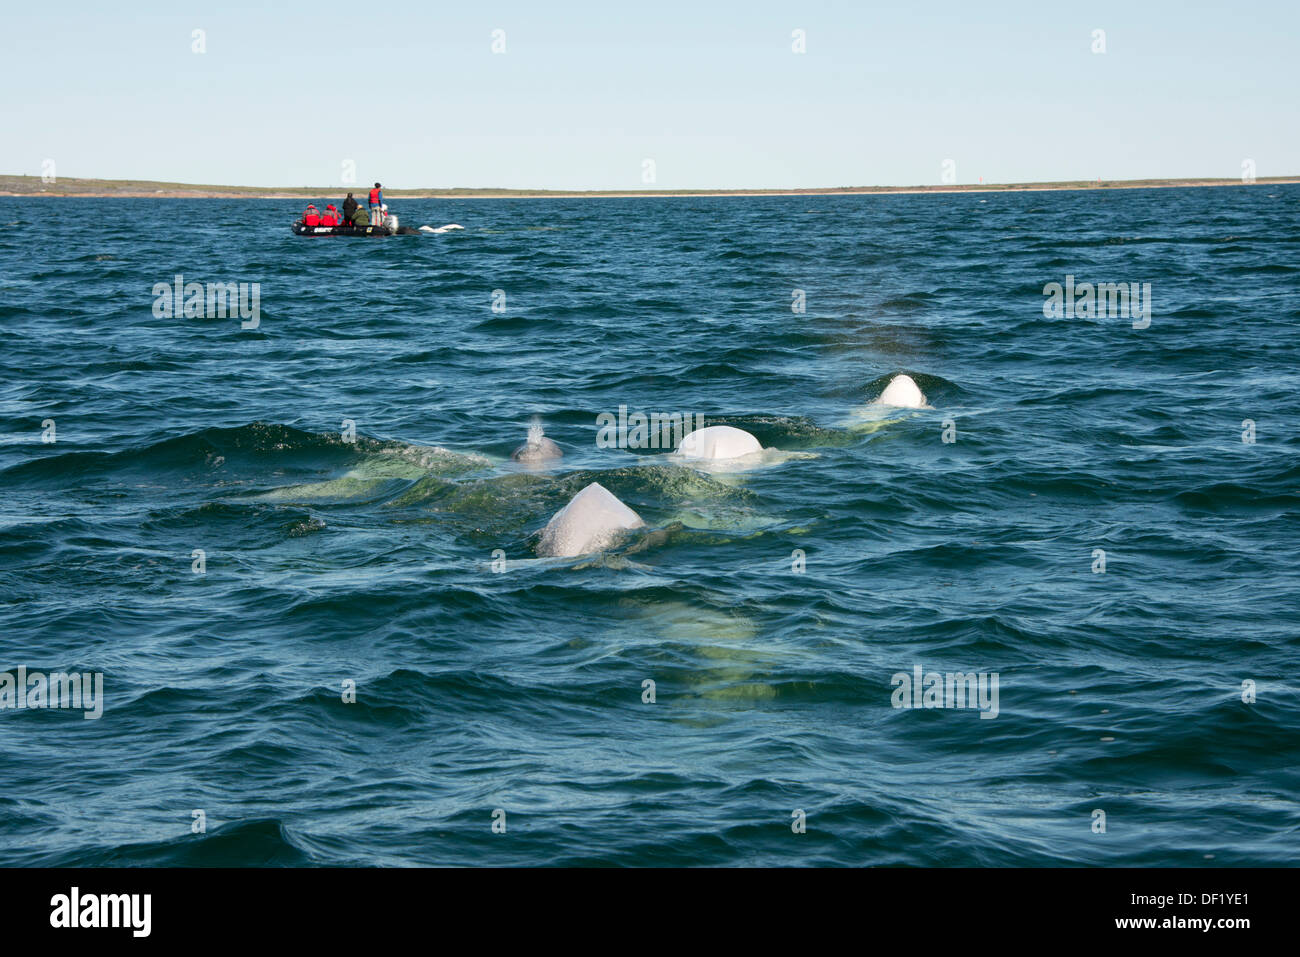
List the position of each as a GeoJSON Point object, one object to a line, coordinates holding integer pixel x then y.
{"type": "Point", "coordinates": [109, 188]}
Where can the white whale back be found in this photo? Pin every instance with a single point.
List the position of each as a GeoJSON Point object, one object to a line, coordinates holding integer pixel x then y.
{"type": "Point", "coordinates": [718, 442]}
{"type": "Point", "coordinates": [593, 521]}
{"type": "Point", "coordinates": [903, 393]}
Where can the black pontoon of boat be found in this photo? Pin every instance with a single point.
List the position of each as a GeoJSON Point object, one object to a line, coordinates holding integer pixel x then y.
{"type": "Point", "coordinates": [300, 230]}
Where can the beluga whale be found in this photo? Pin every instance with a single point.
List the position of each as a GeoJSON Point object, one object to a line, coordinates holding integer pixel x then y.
{"type": "Point", "coordinates": [593, 521]}
{"type": "Point", "coordinates": [718, 442]}
{"type": "Point", "coordinates": [537, 448]}
{"type": "Point", "coordinates": [902, 393]}
{"type": "Point", "coordinates": [721, 449]}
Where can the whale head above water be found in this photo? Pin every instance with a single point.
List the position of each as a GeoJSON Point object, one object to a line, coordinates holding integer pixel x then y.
{"type": "Point", "coordinates": [902, 393]}
{"type": "Point", "coordinates": [718, 442]}
{"type": "Point", "coordinates": [593, 521]}
{"type": "Point", "coordinates": [538, 448]}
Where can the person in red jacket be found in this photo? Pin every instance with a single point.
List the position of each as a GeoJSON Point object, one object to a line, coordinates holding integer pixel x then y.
{"type": "Point", "coordinates": [331, 216]}
{"type": "Point", "coordinates": [376, 201]}
{"type": "Point", "coordinates": [311, 217]}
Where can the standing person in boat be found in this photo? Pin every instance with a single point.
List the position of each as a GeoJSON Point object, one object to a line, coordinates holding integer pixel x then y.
{"type": "Point", "coordinates": [349, 207]}
{"type": "Point", "coordinates": [376, 201]}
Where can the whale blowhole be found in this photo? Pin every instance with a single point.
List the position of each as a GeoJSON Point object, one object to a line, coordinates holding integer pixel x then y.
{"type": "Point", "coordinates": [537, 447]}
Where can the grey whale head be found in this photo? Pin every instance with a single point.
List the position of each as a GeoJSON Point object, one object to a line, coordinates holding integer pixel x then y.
{"type": "Point", "coordinates": [537, 448]}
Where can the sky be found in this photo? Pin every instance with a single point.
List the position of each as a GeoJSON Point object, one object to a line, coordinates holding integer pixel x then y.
{"type": "Point", "coordinates": [712, 94]}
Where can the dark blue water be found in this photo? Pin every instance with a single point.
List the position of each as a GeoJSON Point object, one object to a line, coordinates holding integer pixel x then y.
{"type": "Point", "coordinates": [372, 560]}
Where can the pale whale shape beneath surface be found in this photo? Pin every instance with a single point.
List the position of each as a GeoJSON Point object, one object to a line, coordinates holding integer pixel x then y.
{"type": "Point", "coordinates": [384, 468]}
{"type": "Point", "coordinates": [902, 393]}
{"type": "Point", "coordinates": [718, 442]}
{"type": "Point", "coordinates": [441, 229]}
{"type": "Point", "coordinates": [538, 448]}
{"type": "Point", "coordinates": [593, 521]}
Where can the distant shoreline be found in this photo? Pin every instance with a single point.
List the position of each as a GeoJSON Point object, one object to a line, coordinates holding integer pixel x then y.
{"type": "Point", "coordinates": [74, 188]}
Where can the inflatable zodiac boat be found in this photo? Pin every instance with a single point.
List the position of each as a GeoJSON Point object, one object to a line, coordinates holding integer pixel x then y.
{"type": "Point", "coordinates": [301, 230]}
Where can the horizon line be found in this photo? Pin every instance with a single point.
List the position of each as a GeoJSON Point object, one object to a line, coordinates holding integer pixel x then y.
{"type": "Point", "coordinates": [24, 185]}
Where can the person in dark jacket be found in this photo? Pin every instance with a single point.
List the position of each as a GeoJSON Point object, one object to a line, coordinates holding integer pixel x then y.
{"type": "Point", "coordinates": [349, 207]}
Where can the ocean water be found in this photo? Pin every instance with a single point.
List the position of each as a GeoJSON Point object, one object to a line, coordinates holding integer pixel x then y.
{"type": "Point", "coordinates": [771, 606]}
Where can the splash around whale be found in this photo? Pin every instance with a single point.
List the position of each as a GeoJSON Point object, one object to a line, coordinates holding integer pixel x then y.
{"type": "Point", "coordinates": [593, 521]}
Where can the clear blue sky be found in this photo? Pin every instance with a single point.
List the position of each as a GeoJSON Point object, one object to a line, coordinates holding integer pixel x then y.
{"type": "Point", "coordinates": [711, 91]}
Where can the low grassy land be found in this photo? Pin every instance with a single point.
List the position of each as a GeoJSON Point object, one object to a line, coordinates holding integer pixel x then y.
{"type": "Point", "coordinates": [111, 188]}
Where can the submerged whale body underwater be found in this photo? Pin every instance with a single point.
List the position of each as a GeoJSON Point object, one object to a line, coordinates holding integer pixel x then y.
{"type": "Point", "coordinates": [593, 521]}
